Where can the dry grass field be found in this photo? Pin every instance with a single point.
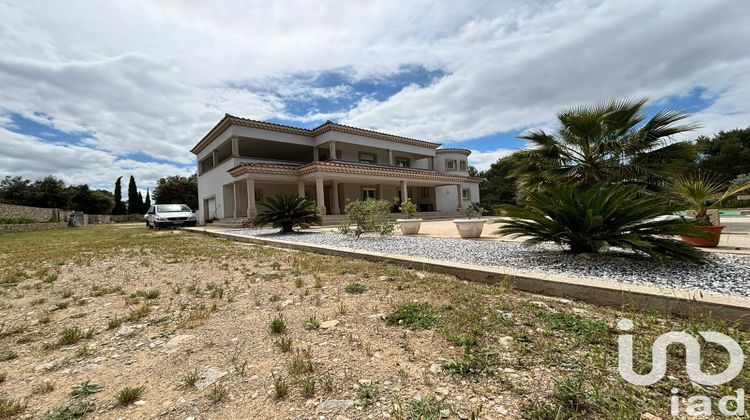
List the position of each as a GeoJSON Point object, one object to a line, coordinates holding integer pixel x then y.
{"type": "Point", "coordinates": [122, 322]}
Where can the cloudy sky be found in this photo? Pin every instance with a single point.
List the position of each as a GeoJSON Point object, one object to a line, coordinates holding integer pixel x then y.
{"type": "Point", "coordinates": [90, 91]}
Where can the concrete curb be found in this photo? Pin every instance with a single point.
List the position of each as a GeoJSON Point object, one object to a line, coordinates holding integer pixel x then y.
{"type": "Point", "coordinates": [622, 295]}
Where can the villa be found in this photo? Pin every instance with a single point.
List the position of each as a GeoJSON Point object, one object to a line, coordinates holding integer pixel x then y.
{"type": "Point", "coordinates": [241, 161]}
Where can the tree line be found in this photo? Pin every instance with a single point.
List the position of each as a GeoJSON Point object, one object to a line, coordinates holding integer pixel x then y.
{"type": "Point", "coordinates": [725, 154]}
{"type": "Point", "coordinates": [52, 192]}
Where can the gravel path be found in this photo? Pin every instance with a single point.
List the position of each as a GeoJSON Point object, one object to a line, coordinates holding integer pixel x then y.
{"type": "Point", "coordinates": [726, 274]}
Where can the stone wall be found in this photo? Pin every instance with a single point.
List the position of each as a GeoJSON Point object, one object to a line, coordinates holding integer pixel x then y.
{"type": "Point", "coordinates": [30, 227]}
{"type": "Point", "coordinates": [10, 211]}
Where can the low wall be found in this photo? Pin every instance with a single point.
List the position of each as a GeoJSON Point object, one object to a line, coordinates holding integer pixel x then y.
{"type": "Point", "coordinates": [30, 227]}
{"type": "Point", "coordinates": [40, 214]}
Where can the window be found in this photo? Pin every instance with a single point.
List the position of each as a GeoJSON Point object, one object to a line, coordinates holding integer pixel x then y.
{"type": "Point", "coordinates": [368, 193]}
{"type": "Point", "coordinates": [258, 195]}
{"type": "Point", "coordinates": [466, 194]}
{"type": "Point", "coordinates": [425, 192]}
{"type": "Point", "coordinates": [450, 165]}
{"type": "Point", "coordinates": [463, 165]}
{"type": "Point", "coordinates": [368, 157]}
{"type": "Point", "coordinates": [403, 162]}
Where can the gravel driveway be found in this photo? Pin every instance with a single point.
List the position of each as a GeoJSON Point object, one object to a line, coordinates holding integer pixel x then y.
{"type": "Point", "coordinates": [725, 274]}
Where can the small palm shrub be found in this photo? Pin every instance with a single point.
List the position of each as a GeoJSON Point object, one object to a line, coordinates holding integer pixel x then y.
{"type": "Point", "coordinates": [701, 192]}
{"type": "Point", "coordinates": [287, 211]}
{"type": "Point", "coordinates": [592, 219]}
{"type": "Point", "coordinates": [367, 216]}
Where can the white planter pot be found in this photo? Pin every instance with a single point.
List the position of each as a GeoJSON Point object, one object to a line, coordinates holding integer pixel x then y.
{"type": "Point", "coordinates": [409, 226]}
{"type": "Point", "coordinates": [469, 228]}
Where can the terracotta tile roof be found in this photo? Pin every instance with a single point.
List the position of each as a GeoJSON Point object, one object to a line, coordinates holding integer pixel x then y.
{"type": "Point", "coordinates": [335, 166]}
{"type": "Point", "coordinates": [466, 152]}
{"type": "Point", "coordinates": [230, 120]}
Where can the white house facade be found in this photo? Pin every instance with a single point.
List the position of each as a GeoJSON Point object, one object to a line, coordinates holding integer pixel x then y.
{"type": "Point", "coordinates": [241, 161]}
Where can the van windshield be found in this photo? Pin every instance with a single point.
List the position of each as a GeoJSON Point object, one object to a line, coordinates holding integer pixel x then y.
{"type": "Point", "coordinates": [171, 208]}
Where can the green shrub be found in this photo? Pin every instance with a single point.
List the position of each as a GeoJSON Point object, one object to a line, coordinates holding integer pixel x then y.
{"type": "Point", "coordinates": [17, 221]}
{"type": "Point", "coordinates": [287, 212]}
{"type": "Point", "coordinates": [355, 289]}
{"type": "Point", "coordinates": [592, 219]}
{"type": "Point", "coordinates": [129, 395]}
{"type": "Point", "coordinates": [408, 208]}
{"type": "Point", "coordinates": [367, 216]}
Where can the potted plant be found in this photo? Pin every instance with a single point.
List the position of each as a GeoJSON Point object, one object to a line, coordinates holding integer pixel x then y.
{"type": "Point", "coordinates": [410, 225]}
{"type": "Point", "coordinates": [472, 226]}
{"type": "Point", "coordinates": [699, 195]}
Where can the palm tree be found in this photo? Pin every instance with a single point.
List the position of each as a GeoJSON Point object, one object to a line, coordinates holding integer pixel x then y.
{"type": "Point", "coordinates": [607, 142]}
{"type": "Point", "coordinates": [700, 192]}
{"type": "Point", "coordinates": [287, 211]}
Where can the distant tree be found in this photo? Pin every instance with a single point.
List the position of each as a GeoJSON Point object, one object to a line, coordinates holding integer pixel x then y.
{"type": "Point", "coordinates": [473, 172]}
{"type": "Point", "coordinates": [90, 201]}
{"type": "Point", "coordinates": [177, 190]}
{"type": "Point", "coordinates": [135, 202]}
{"type": "Point", "coordinates": [147, 202]}
{"type": "Point", "coordinates": [15, 190]}
{"type": "Point", "coordinates": [140, 203]}
{"type": "Point", "coordinates": [50, 192]}
{"type": "Point", "coordinates": [726, 153]}
{"type": "Point", "coordinates": [119, 205]}
{"type": "Point", "coordinates": [499, 183]}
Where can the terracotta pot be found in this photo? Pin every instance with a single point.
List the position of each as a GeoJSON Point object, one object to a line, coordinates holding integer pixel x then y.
{"type": "Point", "coordinates": [409, 226]}
{"type": "Point", "coordinates": [714, 231]}
{"type": "Point", "coordinates": [469, 228]}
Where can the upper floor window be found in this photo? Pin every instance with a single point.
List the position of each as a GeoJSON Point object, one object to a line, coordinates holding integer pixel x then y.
{"type": "Point", "coordinates": [403, 162]}
{"type": "Point", "coordinates": [450, 165]}
{"type": "Point", "coordinates": [368, 157]}
{"type": "Point", "coordinates": [462, 165]}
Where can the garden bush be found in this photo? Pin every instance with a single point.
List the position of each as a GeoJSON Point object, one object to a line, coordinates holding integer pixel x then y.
{"type": "Point", "coordinates": [367, 216]}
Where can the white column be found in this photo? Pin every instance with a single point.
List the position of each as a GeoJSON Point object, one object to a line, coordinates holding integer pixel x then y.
{"type": "Point", "coordinates": [390, 157]}
{"type": "Point", "coordinates": [319, 195]}
{"type": "Point", "coordinates": [234, 191]}
{"type": "Point", "coordinates": [335, 198]}
{"type": "Point", "coordinates": [404, 192]}
{"type": "Point", "coordinates": [432, 163]}
{"type": "Point", "coordinates": [301, 188]}
{"type": "Point", "coordinates": [332, 150]}
{"type": "Point", "coordinates": [379, 191]}
{"type": "Point", "coordinates": [315, 154]}
{"type": "Point", "coordinates": [235, 147]}
{"type": "Point", "coordinates": [251, 210]}
{"type": "Point", "coordinates": [214, 160]}
{"type": "Point", "coordinates": [459, 199]}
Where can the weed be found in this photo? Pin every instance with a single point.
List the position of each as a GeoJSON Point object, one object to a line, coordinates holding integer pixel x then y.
{"type": "Point", "coordinates": [326, 382]}
{"type": "Point", "coordinates": [280, 387]}
{"type": "Point", "coordinates": [7, 355]}
{"type": "Point", "coordinates": [355, 289]}
{"type": "Point", "coordinates": [312, 323]}
{"type": "Point", "coordinates": [138, 314]}
{"type": "Point", "coordinates": [62, 305]}
{"type": "Point", "coordinates": [284, 343]}
{"type": "Point", "coordinates": [3, 377]}
{"type": "Point", "coordinates": [308, 387]}
{"type": "Point", "coordinates": [50, 278]}
{"type": "Point", "coordinates": [278, 325]}
{"type": "Point", "coordinates": [71, 411]}
{"type": "Point", "coordinates": [367, 393]}
{"type": "Point", "coordinates": [85, 389]}
{"type": "Point", "coordinates": [45, 318]}
{"type": "Point", "coordinates": [115, 322]}
{"type": "Point", "coordinates": [128, 395]}
{"type": "Point", "coordinates": [426, 408]}
{"type": "Point", "coordinates": [83, 352]}
{"type": "Point", "coordinates": [274, 298]}
{"type": "Point", "coordinates": [70, 336]}
{"type": "Point", "coordinates": [149, 294]}
{"type": "Point", "coordinates": [276, 266]}
{"type": "Point", "coordinates": [572, 395]}
{"type": "Point", "coordinates": [301, 362]}
{"type": "Point", "coordinates": [189, 379]}
{"type": "Point", "coordinates": [298, 282]}
{"type": "Point", "coordinates": [415, 315]}
{"type": "Point", "coordinates": [218, 393]}
{"type": "Point", "coordinates": [473, 361]}
{"type": "Point", "coordinates": [217, 293]}
{"type": "Point", "coordinates": [38, 301]}
{"type": "Point", "coordinates": [10, 408]}
{"type": "Point", "coordinates": [539, 410]}
{"type": "Point", "coordinates": [341, 310]}
{"type": "Point", "coordinates": [318, 282]}
{"type": "Point", "coordinates": [66, 293]}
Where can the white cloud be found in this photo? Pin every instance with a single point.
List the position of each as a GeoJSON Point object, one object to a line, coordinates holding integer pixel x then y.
{"type": "Point", "coordinates": [153, 77]}
{"type": "Point", "coordinates": [483, 160]}
{"type": "Point", "coordinates": [31, 157]}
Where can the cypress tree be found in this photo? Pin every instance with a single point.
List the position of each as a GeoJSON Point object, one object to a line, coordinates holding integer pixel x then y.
{"type": "Point", "coordinates": [147, 203]}
{"type": "Point", "coordinates": [134, 205]}
{"type": "Point", "coordinates": [119, 205]}
{"type": "Point", "coordinates": [140, 203]}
